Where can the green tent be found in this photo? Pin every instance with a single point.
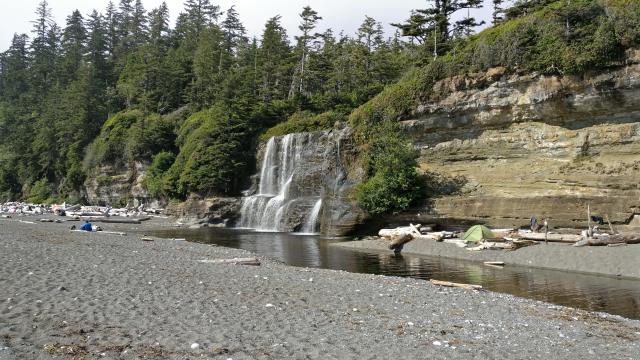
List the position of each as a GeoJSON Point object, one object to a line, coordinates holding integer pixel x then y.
{"type": "Point", "coordinates": [477, 233]}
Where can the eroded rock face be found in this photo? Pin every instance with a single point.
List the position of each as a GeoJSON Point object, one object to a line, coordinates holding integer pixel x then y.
{"type": "Point", "coordinates": [534, 145]}
{"type": "Point", "coordinates": [214, 211]}
{"type": "Point", "coordinates": [112, 186]}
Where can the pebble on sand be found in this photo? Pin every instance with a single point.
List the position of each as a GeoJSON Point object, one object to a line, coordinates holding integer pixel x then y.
{"type": "Point", "coordinates": [195, 346]}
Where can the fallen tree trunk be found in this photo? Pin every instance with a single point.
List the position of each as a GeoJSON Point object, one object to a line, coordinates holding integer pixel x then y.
{"type": "Point", "coordinates": [487, 245]}
{"type": "Point", "coordinates": [118, 221]}
{"type": "Point", "coordinates": [458, 285]}
{"type": "Point", "coordinates": [400, 240]}
{"type": "Point", "coordinates": [604, 240]}
{"type": "Point", "coordinates": [565, 238]}
{"type": "Point", "coordinates": [391, 233]}
{"type": "Point", "coordinates": [494, 263]}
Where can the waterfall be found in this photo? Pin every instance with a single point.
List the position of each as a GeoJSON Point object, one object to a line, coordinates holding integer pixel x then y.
{"type": "Point", "coordinates": [276, 201]}
{"type": "Point", "coordinates": [311, 226]}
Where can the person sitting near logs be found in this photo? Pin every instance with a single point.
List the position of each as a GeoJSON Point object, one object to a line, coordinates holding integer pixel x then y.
{"type": "Point", "coordinates": [534, 226]}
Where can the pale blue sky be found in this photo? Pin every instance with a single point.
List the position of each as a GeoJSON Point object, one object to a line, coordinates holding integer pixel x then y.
{"type": "Point", "coordinates": [347, 15]}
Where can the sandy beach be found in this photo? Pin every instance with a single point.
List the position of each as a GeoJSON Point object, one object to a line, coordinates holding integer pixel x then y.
{"type": "Point", "coordinates": [96, 296]}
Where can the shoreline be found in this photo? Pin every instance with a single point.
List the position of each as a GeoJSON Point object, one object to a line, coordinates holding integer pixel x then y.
{"type": "Point", "coordinates": [71, 295]}
{"type": "Point", "coordinates": [615, 262]}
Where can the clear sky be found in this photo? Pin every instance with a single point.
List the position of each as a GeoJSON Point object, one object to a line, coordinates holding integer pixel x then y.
{"type": "Point", "coordinates": [347, 15]}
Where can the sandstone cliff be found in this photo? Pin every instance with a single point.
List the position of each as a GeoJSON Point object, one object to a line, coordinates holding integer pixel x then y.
{"type": "Point", "coordinates": [528, 144]}
{"type": "Point", "coordinates": [108, 185]}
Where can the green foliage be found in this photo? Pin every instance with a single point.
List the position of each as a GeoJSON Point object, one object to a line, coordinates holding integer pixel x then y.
{"type": "Point", "coordinates": [162, 161]}
{"type": "Point", "coordinates": [99, 88]}
{"type": "Point", "coordinates": [129, 136]}
{"type": "Point", "coordinates": [40, 192]}
{"type": "Point", "coordinates": [149, 136]}
{"type": "Point", "coordinates": [394, 183]}
{"type": "Point", "coordinates": [109, 147]}
{"type": "Point", "coordinates": [395, 100]}
{"type": "Point", "coordinates": [58, 87]}
{"type": "Point", "coordinates": [563, 37]}
{"type": "Point", "coordinates": [103, 180]}
{"type": "Point", "coordinates": [304, 121]}
{"type": "Point", "coordinates": [213, 158]}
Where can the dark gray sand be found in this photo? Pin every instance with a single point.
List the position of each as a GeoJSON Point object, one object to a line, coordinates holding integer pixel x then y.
{"type": "Point", "coordinates": [75, 295]}
{"type": "Point", "coordinates": [622, 261]}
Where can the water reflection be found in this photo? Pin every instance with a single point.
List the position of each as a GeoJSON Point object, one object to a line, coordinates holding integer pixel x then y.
{"type": "Point", "coordinates": [615, 296]}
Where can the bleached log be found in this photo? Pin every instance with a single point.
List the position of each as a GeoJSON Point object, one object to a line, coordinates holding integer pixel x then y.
{"type": "Point", "coordinates": [458, 285]}
{"type": "Point", "coordinates": [400, 240]}
{"type": "Point", "coordinates": [494, 263]}
{"type": "Point", "coordinates": [492, 246]}
{"type": "Point", "coordinates": [457, 242]}
{"type": "Point", "coordinates": [117, 221]}
{"type": "Point", "coordinates": [389, 233]}
{"type": "Point", "coordinates": [605, 240]}
{"type": "Point", "coordinates": [565, 238]}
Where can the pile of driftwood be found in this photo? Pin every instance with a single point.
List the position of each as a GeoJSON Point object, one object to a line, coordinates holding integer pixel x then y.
{"type": "Point", "coordinates": [402, 235]}
{"type": "Point", "coordinates": [399, 236]}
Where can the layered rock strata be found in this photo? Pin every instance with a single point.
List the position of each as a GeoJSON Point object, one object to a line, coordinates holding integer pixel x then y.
{"type": "Point", "coordinates": [534, 145]}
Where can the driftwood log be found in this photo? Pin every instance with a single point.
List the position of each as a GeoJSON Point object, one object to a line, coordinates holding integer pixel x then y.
{"type": "Point", "coordinates": [390, 233]}
{"type": "Point", "coordinates": [565, 238]}
{"type": "Point", "coordinates": [458, 285]}
{"type": "Point", "coordinates": [402, 235]}
{"type": "Point", "coordinates": [605, 239]}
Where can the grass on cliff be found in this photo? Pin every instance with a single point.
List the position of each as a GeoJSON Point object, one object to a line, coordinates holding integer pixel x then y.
{"type": "Point", "coordinates": [304, 121]}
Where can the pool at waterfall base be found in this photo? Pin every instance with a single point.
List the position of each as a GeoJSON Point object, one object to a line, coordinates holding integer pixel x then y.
{"type": "Point", "coordinates": [589, 292]}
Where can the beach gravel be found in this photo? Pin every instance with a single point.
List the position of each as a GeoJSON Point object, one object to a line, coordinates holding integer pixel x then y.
{"type": "Point", "coordinates": [74, 295]}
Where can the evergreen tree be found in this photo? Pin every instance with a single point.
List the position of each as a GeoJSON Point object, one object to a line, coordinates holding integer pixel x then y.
{"type": "Point", "coordinates": [97, 45]}
{"type": "Point", "coordinates": [370, 35]}
{"type": "Point", "coordinates": [159, 30]}
{"type": "Point", "coordinates": [206, 66]}
{"type": "Point", "coordinates": [139, 26]}
{"type": "Point", "coordinates": [74, 37]}
{"type": "Point", "coordinates": [308, 24]}
{"type": "Point", "coordinates": [15, 76]}
{"type": "Point", "coordinates": [198, 14]}
{"type": "Point", "coordinates": [498, 12]}
{"type": "Point", "coordinates": [274, 61]}
{"type": "Point", "coordinates": [43, 50]}
{"type": "Point", "coordinates": [433, 27]}
{"type": "Point", "coordinates": [111, 25]}
{"type": "Point", "coordinates": [234, 36]}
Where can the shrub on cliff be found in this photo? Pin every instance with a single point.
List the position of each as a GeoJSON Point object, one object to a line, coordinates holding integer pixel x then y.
{"type": "Point", "coordinates": [213, 155]}
{"type": "Point", "coordinates": [129, 136]}
{"type": "Point", "coordinates": [161, 162]}
{"type": "Point", "coordinates": [393, 183]}
{"type": "Point", "coordinates": [304, 121]}
{"type": "Point", "coordinates": [40, 192]}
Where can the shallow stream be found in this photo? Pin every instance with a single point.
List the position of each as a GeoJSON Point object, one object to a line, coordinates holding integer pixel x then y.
{"type": "Point", "coordinates": [589, 292]}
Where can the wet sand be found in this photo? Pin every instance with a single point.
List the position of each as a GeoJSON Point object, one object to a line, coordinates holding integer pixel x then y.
{"type": "Point", "coordinates": [620, 261]}
{"type": "Point", "coordinates": [75, 295]}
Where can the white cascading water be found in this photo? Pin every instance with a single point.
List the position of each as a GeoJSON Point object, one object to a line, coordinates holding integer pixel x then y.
{"type": "Point", "coordinates": [311, 225]}
{"type": "Point", "coordinates": [267, 209]}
